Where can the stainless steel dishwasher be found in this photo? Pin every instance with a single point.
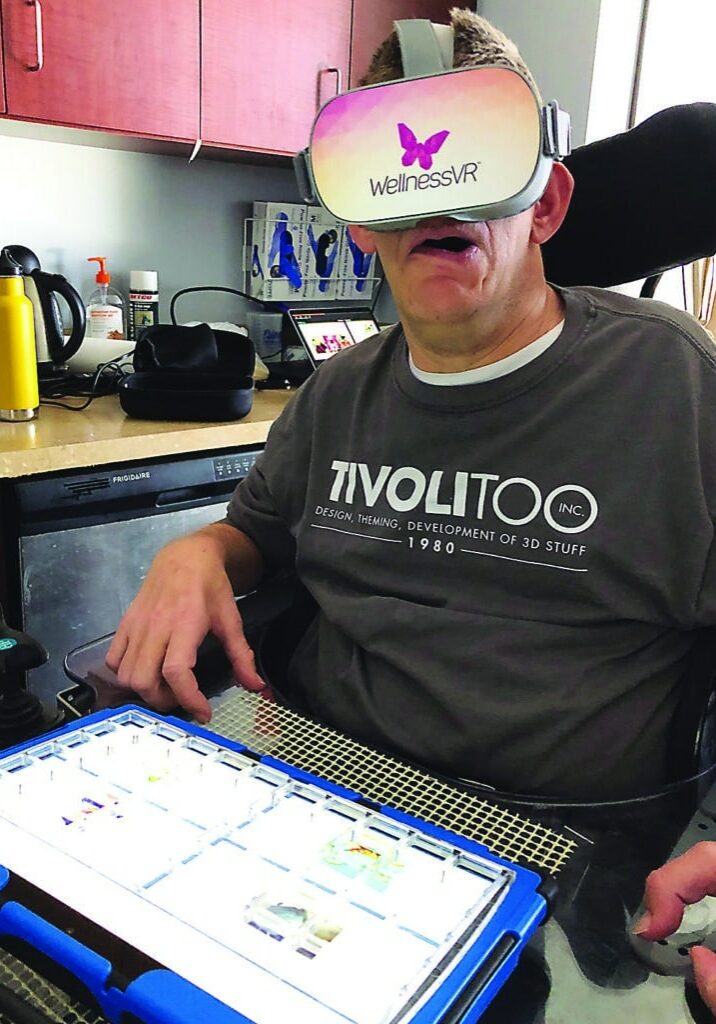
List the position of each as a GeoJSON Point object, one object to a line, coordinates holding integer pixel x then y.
{"type": "Point", "coordinates": [77, 545]}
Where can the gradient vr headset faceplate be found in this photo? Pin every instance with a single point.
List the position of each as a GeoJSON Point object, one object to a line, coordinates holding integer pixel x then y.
{"type": "Point", "coordinates": [472, 143]}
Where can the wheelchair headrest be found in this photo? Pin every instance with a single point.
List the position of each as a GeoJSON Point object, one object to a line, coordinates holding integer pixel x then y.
{"type": "Point", "coordinates": [644, 201]}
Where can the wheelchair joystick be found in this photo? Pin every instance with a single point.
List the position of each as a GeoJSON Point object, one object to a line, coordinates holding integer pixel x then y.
{"type": "Point", "coordinates": [22, 714]}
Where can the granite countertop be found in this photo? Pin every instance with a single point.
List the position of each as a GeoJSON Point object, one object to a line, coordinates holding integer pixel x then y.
{"type": "Point", "coordinates": [100, 434]}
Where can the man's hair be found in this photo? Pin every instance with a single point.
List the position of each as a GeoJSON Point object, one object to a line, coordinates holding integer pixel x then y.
{"type": "Point", "coordinates": [476, 42]}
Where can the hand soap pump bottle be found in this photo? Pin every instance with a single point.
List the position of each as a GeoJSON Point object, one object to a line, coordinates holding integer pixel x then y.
{"type": "Point", "coordinates": [105, 306]}
{"type": "Point", "coordinates": [19, 397]}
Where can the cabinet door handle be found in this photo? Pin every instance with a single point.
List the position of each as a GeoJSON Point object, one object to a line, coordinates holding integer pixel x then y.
{"type": "Point", "coordinates": [39, 47]}
{"type": "Point", "coordinates": [339, 82]}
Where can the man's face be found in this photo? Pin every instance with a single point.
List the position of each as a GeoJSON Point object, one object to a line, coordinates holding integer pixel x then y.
{"type": "Point", "coordinates": [447, 271]}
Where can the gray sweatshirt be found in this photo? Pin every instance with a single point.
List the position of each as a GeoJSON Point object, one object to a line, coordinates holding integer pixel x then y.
{"type": "Point", "coordinates": [508, 573]}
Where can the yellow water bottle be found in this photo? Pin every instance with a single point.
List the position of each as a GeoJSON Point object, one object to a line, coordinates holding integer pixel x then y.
{"type": "Point", "coordinates": [19, 396]}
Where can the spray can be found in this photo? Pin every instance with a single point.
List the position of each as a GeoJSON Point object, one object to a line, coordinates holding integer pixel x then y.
{"type": "Point", "coordinates": [143, 301]}
{"type": "Point", "coordinates": [19, 395]}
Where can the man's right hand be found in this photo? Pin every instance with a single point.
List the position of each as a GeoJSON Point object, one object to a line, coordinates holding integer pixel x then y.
{"type": "Point", "coordinates": [186, 594]}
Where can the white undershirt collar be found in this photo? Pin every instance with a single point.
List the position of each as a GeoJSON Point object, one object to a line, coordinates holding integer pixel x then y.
{"type": "Point", "coordinates": [493, 370]}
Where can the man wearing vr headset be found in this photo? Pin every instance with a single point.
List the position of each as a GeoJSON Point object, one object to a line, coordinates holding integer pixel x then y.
{"type": "Point", "coordinates": [499, 504]}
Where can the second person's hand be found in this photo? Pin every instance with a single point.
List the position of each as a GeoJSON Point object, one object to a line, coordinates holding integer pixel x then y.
{"type": "Point", "coordinates": [676, 885]}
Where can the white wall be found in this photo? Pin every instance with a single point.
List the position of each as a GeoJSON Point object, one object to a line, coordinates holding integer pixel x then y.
{"type": "Point", "coordinates": [557, 39]}
{"type": "Point", "coordinates": [144, 212]}
{"type": "Point", "coordinates": [614, 68]}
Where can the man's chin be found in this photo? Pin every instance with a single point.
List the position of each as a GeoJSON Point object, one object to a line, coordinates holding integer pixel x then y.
{"type": "Point", "coordinates": [445, 306]}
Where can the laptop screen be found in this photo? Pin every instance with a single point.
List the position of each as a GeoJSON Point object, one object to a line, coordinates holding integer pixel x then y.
{"type": "Point", "coordinates": [323, 332]}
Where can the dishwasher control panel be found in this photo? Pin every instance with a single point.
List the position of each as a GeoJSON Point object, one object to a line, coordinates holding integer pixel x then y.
{"type": "Point", "coordinates": [234, 467]}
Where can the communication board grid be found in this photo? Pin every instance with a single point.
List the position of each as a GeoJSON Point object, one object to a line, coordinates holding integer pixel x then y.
{"type": "Point", "coordinates": [309, 892]}
{"type": "Point", "coordinates": [269, 728]}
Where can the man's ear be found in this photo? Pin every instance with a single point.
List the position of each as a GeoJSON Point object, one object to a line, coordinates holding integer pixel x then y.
{"type": "Point", "coordinates": [364, 238]}
{"type": "Point", "coordinates": [551, 209]}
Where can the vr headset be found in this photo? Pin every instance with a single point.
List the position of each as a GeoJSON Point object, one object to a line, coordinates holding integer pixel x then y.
{"type": "Point", "coordinates": [473, 144]}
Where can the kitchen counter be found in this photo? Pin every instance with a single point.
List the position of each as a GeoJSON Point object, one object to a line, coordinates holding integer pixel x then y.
{"type": "Point", "coordinates": [101, 434]}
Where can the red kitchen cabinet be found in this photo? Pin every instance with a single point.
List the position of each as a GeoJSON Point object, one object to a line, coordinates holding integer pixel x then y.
{"type": "Point", "coordinates": [121, 65]}
{"type": "Point", "coordinates": [373, 21]}
{"type": "Point", "coordinates": [267, 66]}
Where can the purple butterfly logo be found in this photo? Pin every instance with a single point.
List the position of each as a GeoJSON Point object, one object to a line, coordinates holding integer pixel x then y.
{"type": "Point", "coordinates": [423, 152]}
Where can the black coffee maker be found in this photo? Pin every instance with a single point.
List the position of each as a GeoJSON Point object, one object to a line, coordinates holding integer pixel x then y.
{"type": "Point", "coordinates": [53, 350]}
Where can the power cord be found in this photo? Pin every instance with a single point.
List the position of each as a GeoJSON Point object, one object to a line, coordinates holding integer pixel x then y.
{"type": "Point", "coordinates": [279, 306]}
{"type": "Point", "coordinates": [231, 291]}
{"type": "Point", "coordinates": [210, 288]}
{"type": "Point", "coordinates": [104, 381]}
{"type": "Point", "coordinates": [376, 294]}
{"type": "Point", "coordinates": [251, 298]}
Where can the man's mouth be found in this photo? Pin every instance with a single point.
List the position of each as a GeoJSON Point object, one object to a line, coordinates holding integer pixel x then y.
{"type": "Point", "coordinates": [443, 240]}
{"type": "Point", "coordinates": [449, 244]}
